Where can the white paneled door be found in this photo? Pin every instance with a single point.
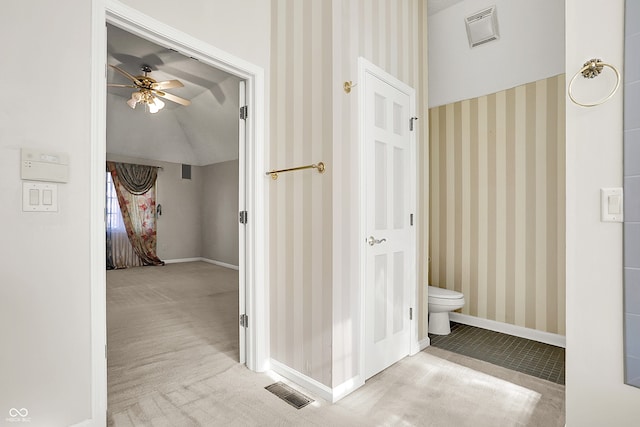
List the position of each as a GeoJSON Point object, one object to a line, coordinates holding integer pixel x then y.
{"type": "Point", "coordinates": [389, 233]}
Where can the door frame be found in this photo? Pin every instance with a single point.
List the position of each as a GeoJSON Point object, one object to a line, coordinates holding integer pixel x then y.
{"type": "Point", "coordinates": [256, 235]}
{"type": "Point", "coordinates": [366, 67]}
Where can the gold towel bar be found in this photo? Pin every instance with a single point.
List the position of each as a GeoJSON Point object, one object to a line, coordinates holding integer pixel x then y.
{"type": "Point", "coordinates": [274, 173]}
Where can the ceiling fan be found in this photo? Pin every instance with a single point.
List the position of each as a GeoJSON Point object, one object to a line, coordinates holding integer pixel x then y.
{"type": "Point", "coordinates": [149, 90]}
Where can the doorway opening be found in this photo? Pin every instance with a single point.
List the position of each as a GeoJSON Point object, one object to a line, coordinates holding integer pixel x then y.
{"type": "Point", "coordinates": [182, 317]}
{"type": "Point", "coordinates": [252, 235]}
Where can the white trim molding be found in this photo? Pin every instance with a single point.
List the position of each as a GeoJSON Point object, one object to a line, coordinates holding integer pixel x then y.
{"type": "Point", "coordinates": [197, 259]}
{"type": "Point", "coordinates": [220, 263]}
{"type": "Point", "coordinates": [422, 344]}
{"type": "Point", "coordinates": [256, 263]}
{"type": "Point", "coordinates": [506, 328]}
{"type": "Point", "coordinates": [346, 388]}
{"type": "Point", "coordinates": [97, 249]}
{"type": "Point", "coordinates": [181, 260]}
{"type": "Point", "coordinates": [315, 387]}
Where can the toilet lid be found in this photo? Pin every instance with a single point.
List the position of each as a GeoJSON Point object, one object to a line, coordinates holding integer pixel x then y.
{"type": "Point", "coordinates": [443, 293]}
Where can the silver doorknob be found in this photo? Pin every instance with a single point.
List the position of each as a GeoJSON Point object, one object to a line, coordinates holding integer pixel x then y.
{"type": "Point", "coordinates": [373, 241]}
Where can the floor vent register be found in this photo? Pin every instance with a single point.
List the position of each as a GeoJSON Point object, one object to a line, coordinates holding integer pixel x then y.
{"type": "Point", "coordinates": [289, 395]}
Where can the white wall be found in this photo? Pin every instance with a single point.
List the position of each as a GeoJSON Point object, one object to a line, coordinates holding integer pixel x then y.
{"type": "Point", "coordinates": [180, 225]}
{"type": "Point", "coordinates": [45, 278]}
{"type": "Point", "coordinates": [595, 391]}
{"type": "Point", "coordinates": [44, 257]}
{"type": "Point", "coordinates": [530, 48]}
{"type": "Point", "coordinates": [220, 212]}
{"type": "Point", "coordinates": [241, 28]}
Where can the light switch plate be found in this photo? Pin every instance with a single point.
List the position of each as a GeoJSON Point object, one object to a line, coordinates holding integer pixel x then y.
{"type": "Point", "coordinates": [611, 204]}
{"type": "Point", "coordinates": [39, 197]}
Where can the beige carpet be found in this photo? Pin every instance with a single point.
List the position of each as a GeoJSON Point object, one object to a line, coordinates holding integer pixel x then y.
{"type": "Point", "coordinates": [172, 334]}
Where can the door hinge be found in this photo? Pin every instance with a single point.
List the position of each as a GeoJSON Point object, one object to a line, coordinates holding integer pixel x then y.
{"type": "Point", "coordinates": [411, 220]}
{"type": "Point", "coordinates": [244, 320]}
{"type": "Point", "coordinates": [244, 112]}
{"type": "Point", "coordinates": [411, 120]}
{"type": "Point", "coordinates": [243, 217]}
{"type": "Point", "coordinates": [410, 313]}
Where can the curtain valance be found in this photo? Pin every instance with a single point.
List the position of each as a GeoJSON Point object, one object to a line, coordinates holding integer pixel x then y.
{"type": "Point", "coordinates": [137, 179]}
{"type": "Point", "coordinates": [138, 209]}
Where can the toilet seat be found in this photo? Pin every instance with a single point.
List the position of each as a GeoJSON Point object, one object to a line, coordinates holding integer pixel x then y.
{"type": "Point", "coordinates": [443, 294]}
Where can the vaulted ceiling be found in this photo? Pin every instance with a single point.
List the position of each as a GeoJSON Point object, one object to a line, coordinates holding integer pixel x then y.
{"type": "Point", "coordinates": [202, 133]}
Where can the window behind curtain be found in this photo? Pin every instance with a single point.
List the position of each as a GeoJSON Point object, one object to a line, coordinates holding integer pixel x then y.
{"type": "Point", "coordinates": [114, 216]}
{"type": "Point", "coordinates": [120, 253]}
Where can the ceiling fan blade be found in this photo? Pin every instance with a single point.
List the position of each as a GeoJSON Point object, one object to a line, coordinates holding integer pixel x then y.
{"type": "Point", "coordinates": [127, 75]}
{"type": "Point", "coordinates": [167, 84]}
{"type": "Point", "coordinates": [173, 98]}
{"type": "Point", "coordinates": [119, 85]}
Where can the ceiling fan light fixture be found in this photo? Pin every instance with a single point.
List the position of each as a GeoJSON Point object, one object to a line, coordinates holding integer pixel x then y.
{"type": "Point", "coordinates": [132, 103]}
{"type": "Point", "coordinates": [149, 90]}
{"type": "Point", "coordinates": [135, 98]}
{"type": "Point", "coordinates": [158, 103]}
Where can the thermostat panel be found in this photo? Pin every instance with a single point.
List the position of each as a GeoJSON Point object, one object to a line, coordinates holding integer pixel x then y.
{"type": "Point", "coordinates": [41, 166]}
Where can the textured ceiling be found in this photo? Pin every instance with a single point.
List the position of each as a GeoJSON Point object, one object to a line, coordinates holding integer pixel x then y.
{"type": "Point", "coordinates": [202, 133]}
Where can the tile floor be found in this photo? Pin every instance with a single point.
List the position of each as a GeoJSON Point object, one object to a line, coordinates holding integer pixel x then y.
{"type": "Point", "coordinates": [519, 354]}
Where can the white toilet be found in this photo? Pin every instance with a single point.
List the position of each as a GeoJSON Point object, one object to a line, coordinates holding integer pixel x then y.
{"type": "Point", "coordinates": [441, 302]}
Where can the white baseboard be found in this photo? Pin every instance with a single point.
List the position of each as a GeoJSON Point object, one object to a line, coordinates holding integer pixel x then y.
{"type": "Point", "coordinates": [210, 261]}
{"type": "Point", "coordinates": [518, 331]}
{"type": "Point", "coordinates": [220, 263]}
{"type": "Point", "coordinates": [425, 343]}
{"type": "Point", "coordinates": [347, 387]}
{"type": "Point", "coordinates": [315, 387]}
{"type": "Point", "coordinates": [176, 261]}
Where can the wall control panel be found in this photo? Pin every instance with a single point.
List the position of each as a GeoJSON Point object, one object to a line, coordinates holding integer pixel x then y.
{"type": "Point", "coordinates": [46, 168]}
{"type": "Point", "coordinates": [40, 166]}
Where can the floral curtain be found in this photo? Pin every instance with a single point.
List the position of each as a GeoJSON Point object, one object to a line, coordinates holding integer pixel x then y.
{"type": "Point", "coordinates": [135, 187]}
{"type": "Point", "coordinates": [120, 253]}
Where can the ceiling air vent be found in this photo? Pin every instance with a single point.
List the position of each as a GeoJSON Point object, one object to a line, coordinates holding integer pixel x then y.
{"type": "Point", "coordinates": [482, 27]}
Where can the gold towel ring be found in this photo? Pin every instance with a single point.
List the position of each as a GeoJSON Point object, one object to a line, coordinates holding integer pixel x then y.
{"type": "Point", "coordinates": [592, 68]}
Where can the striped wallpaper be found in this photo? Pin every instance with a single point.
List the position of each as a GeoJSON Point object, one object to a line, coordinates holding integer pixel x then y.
{"type": "Point", "coordinates": [314, 269]}
{"type": "Point", "coordinates": [498, 204]}
{"type": "Point", "coordinates": [392, 34]}
{"type": "Point", "coordinates": [300, 202]}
